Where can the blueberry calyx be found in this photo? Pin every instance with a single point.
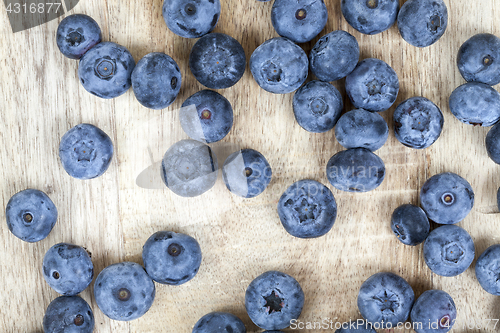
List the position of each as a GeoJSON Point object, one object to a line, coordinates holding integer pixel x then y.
{"type": "Point", "coordinates": [124, 294]}
{"type": "Point", "coordinates": [399, 232]}
{"type": "Point", "coordinates": [271, 72]}
{"type": "Point", "coordinates": [487, 60]}
{"type": "Point", "coordinates": [206, 114]}
{"type": "Point", "coordinates": [84, 151]}
{"type": "Point", "coordinates": [453, 253]}
{"type": "Point", "coordinates": [274, 303]}
{"type": "Point", "coordinates": [387, 301]}
{"type": "Point", "coordinates": [374, 87]}
{"type": "Point", "coordinates": [248, 171]}
{"type": "Point", "coordinates": [434, 23]}
{"type": "Point", "coordinates": [300, 14]}
{"type": "Point", "coordinates": [372, 4]}
{"type": "Point", "coordinates": [444, 322]}
{"type": "Point", "coordinates": [448, 199]}
{"type": "Point", "coordinates": [56, 275]}
{"type": "Point", "coordinates": [190, 9]}
{"type": "Point", "coordinates": [174, 250]}
{"type": "Point", "coordinates": [318, 106]}
{"type": "Point", "coordinates": [28, 218]}
{"type": "Point", "coordinates": [105, 68]}
{"type": "Point", "coordinates": [79, 320]}
{"type": "Point", "coordinates": [75, 37]}
{"type": "Point", "coordinates": [173, 82]}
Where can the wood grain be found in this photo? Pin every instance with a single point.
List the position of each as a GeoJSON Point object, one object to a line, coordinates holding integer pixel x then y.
{"type": "Point", "coordinates": [112, 217]}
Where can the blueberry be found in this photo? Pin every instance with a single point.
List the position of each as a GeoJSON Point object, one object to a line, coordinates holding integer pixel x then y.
{"type": "Point", "coordinates": [299, 20]}
{"type": "Point", "coordinates": [410, 224]}
{"type": "Point", "coordinates": [317, 106]}
{"type": "Point", "coordinates": [156, 80]}
{"type": "Point", "coordinates": [68, 269]}
{"type": "Point", "coordinates": [422, 22]}
{"type": "Point", "coordinates": [386, 299]}
{"type": "Point", "coordinates": [219, 322]}
{"type": "Point", "coordinates": [370, 16]}
{"type": "Point", "coordinates": [217, 61]}
{"type": "Point", "coordinates": [446, 198]}
{"type": "Point", "coordinates": [358, 326]}
{"type": "Point", "coordinates": [85, 151]}
{"type": "Point", "coordinates": [488, 270]}
{"type": "Point", "coordinates": [206, 116]}
{"type": "Point", "coordinates": [106, 69]}
{"type": "Point", "coordinates": [124, 291]}
{"type": "Point", "coordinates": [475, 103]}
{"type": "Point", "coordinates": [373, 85]}
{"type": "Point", "coordinates": [478, 59]}
{"type": "Point", "coordinates": [279, 66]}
{"type": "Point", "coordinates": [30, 215]}
{"type": "Point", "coordinates": [76, 34]}
{"type": "Point", "coordinates": [68, 314]}
{"type": "Point", "coordinates": [273, 299]}
{"type": "Point", "coordinates": [493, 143]}
{"type": "Point", "coordinates": [189, 168]}
{"type": "Point", "coordinates": [171, 258]}
{"type": "Point", "coordinates": [334, 56]}
{"type": "Point", "coordinates": [246, 173]}
{"type": "Point", "coordinates": [448, 250]}
{"type": "Point", "coordinates": [307, 209]}
{"type": "Point", "coordinates": [361, 129]}
{"type": "Point", "coordinates": [417, 122]}
{"type": "Point", "coordinates": [434, 311]}
{"type": "Point", "coordinates": [191, 18]}
{"type": "Point", "coordinates": [355, 170]}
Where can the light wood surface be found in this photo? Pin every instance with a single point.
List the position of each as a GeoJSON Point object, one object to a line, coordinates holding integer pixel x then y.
{"type": "Point", "coordinates": [112, 217]}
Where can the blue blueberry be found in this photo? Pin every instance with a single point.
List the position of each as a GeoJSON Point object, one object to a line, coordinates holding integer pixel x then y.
{"type": "Point", "coordinates": [478, 59]}
{"type": "Point", "coordinates": [317, 106]}
{"type": "Point", "coordinates": [433, 312]}
{"type": "Point", "coordinates": [273, 299]}
{"type": "Point", "coordinates": [488, 270]}
{"type": "Point", "coordinates": [334, 56]}
{"type": "Point", "coordinates": [68, 314]}
{"type": "Point", "coordinates": [85, 151]}
{"type": "Point", "coordinates": [410, 224]}
{"type": "Point", "coordinates": [299, 20]}
{"type": "Point", "coordinates": [385, 298]}
{"type": "Point", "coordinates": [171, 258]}
{"type": "Point", "coordinates": [217, 61]}
{"type": "Point", "coordinates": [156, 80]}
{"type": "Point", "coordinates": [355, 170]}
{"type": "Point", "coordinates": [358, 326]}
{"type": "Point", "coordinates": [219, 322]}
{"type": "Point", "coordinates": [307, 209]}
{"type": "Point", "coordinates": [106, 69]}
{"type": "Point", "coordinates": [124, 291]}
{"type": "Point", "coordinates": [448, 250]}
{"type": "Point", "coordinates": [370, 16]}
{"type": "Point", "coordinates": [191, 18]}
{"type": "Point", "coordinates": [279, 65]}
{"type": "Point", "coordinates": [446, 198]}
{"type": "Point", "coordinates": [30, 215]}
{"type": "Point", "coordinates": [361, 129]}
{"type": "Point", "coordinates": [68, 269]}
{"type": "Point", "coordinates": [206, 116]}
{"type": "Point", "coordinates": [246, 173]}
{"type": "Point", "coordinates": [475, 103]}
{"type": "Point", "coordinates": [422, 22]}
{"type": "Point", "coordinates": [373, 85]}
{"type": "Point", "coordinates": [417, 122]}
{"type": "Point", "coordinates": [76, 34]}
{"type": "Point", "coordinates": [189, 168]}
{"type": "Point", "coordinates": [492, 143]}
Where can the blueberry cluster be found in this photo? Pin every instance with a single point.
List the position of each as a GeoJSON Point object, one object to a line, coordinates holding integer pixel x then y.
{"type": "Point", "coordinates": [307, 209]}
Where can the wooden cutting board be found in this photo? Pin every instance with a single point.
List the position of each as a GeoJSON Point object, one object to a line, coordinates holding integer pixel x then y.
{"type": "Point", "coordinates": [112, 216]}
